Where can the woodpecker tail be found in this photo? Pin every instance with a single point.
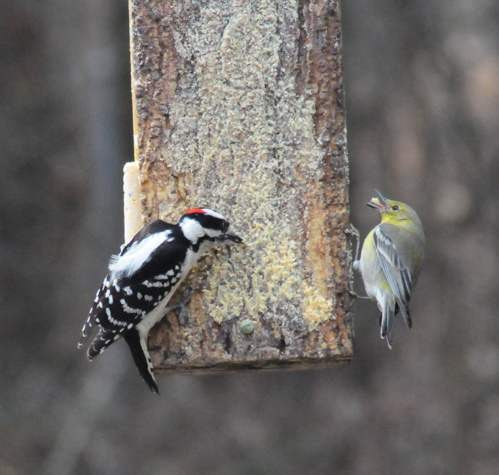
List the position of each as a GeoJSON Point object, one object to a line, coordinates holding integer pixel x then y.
{"type": "Point", "coordinates": [86, 329]}
{"type": "Point", "coordinates": [89, 322]}
{"type": "Point", "coordinates": [140, 354]}
{"type": "Point", "coordinates": [387, 318]}
{"type": "Point", "coordinates": [103, 339]}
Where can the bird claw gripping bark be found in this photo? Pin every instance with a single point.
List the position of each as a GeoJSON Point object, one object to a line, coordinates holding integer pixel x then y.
{"type": "Point", "coordinates": [182, 308]}
{"type": "Point", "coordinates": [353, 232]}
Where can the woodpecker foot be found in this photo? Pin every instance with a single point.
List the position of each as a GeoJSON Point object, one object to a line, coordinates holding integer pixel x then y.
{"type": "Point", "coordinates": [182, 308]}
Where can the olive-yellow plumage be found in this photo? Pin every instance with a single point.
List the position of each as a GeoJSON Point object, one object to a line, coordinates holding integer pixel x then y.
{"type": "Point", "coordinates": [391, 259]}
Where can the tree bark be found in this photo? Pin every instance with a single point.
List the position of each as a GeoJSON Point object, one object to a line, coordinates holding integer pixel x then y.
{"type": "Point", "coordinates": [239, 106]}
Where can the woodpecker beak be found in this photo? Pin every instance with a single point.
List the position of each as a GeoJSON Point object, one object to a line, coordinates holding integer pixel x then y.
{"type": "Point", "coordinates": [232, 237]}
{"type": "Point", "coordinates": [227, 237]}
{"type": "Point", "coordinates": [378, 202]}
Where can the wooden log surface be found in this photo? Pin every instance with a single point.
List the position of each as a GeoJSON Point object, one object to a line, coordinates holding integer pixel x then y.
{"type": "Point", "coordinates": [239, 106]}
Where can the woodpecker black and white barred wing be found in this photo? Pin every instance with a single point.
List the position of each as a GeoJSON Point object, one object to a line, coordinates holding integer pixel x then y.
{"type": "Point", "coordinates": [102, 295]}
{"type": "Point", "coordinates": [121, 306]}
{"type": "Point", "coordinates": [146, 272]}
{"type": "Point", "coordinates": [396, 273]}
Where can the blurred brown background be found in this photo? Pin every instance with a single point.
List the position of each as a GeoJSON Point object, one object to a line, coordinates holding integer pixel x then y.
{"type": "Point", "coordinates": [423, 98]}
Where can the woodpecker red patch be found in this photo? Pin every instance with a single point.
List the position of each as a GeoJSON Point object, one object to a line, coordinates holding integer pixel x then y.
{"type": "Point", "coordinates": [195, 211]}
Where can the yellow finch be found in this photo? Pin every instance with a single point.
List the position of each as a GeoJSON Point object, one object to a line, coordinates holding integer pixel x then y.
{"type": "Point", "coordinates": [390, 260]}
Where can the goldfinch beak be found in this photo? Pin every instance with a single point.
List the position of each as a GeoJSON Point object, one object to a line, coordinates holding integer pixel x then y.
{"type": "Point", "coordinates": [378, 202]}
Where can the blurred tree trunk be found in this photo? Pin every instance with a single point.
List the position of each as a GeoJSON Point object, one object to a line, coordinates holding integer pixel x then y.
{"type": "Point", "coordinates": [239, 106]}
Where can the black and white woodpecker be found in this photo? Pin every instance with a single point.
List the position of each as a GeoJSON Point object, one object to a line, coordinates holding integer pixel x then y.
{"type": "Point", "coordinates": [142, 279]}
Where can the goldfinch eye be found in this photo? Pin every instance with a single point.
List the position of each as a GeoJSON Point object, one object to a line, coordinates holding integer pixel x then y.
{"type": "Point", "coordinates": [395, 207]}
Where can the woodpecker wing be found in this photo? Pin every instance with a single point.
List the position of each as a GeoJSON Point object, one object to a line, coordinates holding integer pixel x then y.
{"type": "Point", "coordinates": [147, 271]}
{"type": "Point", "coordinates": [154, 227]}
{"type": "Point", "coordinates": [396, 272]}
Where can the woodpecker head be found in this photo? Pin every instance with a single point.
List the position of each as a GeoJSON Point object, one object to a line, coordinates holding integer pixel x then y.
{"type": "Point", "coordinates": [206, 225]}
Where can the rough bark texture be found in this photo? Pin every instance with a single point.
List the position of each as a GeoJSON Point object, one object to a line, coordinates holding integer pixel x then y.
{"type": "Point", "coordinates": [239, 106]}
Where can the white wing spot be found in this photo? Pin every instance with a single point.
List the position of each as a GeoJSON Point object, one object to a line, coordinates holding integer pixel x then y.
{"type": "Point", "coordinates": [127, 290]}
{"type": "Point", "coordinates": [137, 255]}
{"type": "Point", "coordinates": [128, 309]}
{"type": "Point", "coordinates": [148, 283]}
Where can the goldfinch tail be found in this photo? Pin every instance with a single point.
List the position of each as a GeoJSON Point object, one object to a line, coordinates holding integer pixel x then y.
{"type": "Point", "coordinates": [387, 319]}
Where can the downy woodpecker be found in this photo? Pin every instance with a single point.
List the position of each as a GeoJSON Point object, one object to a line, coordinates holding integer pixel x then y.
{"type": "Point", "coordinates": [142, 279]}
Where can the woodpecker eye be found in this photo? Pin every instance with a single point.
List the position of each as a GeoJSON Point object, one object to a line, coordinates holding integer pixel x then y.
{"type": "Point", "coordinates": [395, 207]}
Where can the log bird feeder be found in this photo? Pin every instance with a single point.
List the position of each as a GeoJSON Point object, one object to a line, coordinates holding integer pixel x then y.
{"type": "Point", "coordinates": [238, 105]}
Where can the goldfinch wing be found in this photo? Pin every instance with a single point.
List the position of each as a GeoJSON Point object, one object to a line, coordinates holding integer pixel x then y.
{"type": "Point", "coordinates": [397, 275]}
